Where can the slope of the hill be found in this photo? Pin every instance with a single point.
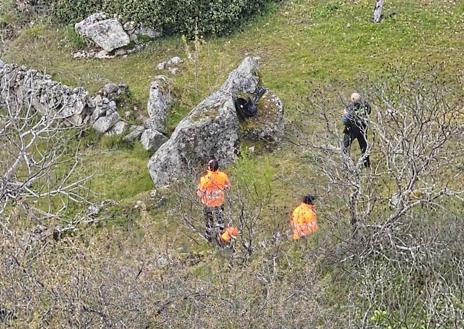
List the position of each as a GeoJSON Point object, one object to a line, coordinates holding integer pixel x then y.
{"type": "Point", "coordinates": [144, 267]}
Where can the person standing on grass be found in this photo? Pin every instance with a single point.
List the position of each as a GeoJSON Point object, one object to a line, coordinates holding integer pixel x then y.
{"type": "Point", "coordinates": [356, 121]}
{"type": "Point", "coordinates": [211, 193]}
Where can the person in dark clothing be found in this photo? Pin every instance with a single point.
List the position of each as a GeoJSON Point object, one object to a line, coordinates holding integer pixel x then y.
{"type": "Point", "coordinates": [356, 121]}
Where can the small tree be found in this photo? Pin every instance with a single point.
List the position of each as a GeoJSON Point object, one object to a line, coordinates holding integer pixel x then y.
{"type": "Point", "coordinates": [38, 163]}
{"type": "Point", "coordinates": [403, 266]}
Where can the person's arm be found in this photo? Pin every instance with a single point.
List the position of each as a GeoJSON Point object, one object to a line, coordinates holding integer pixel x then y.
{"type": "Point", "coordinates": [200, 190]}
{"type": "Point", "coordinates": [368, 108]}
{"type": "Point", "coordinates": [226, 182]}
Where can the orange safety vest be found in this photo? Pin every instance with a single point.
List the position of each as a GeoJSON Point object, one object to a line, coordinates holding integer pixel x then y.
{"type": "Point", "coordinates": [228, 234]}
{"type": "Point", "coordinates": [304, 220]}
{"type": "Point", "coordinates": [211, 188]}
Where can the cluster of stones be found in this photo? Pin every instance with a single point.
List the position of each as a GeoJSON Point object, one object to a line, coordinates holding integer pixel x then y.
{"type": "Point", "coordinates": [172, 65]}
{"type": "Point", "coordinates": [112, 36]}
{"type": "Point", "coordinates": [153, 132]}
{"type": "Point", "coordinates": [20, 86]}
{"type": "Point", "coordinates": [211, 130]}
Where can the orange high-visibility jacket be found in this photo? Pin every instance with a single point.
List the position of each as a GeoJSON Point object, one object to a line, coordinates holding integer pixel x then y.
{"type": "Point", "coordinates": [304, 220]}
{"type": "Point", "coordinates": [211, 188]}
{"type": "Point", "coordinates": [229, 233]}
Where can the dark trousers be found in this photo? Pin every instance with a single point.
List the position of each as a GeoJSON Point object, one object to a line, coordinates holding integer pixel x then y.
{"type": "Point", "coordinates": [209, 218]}
{"type": "Point", "coordinates": [359, 133]}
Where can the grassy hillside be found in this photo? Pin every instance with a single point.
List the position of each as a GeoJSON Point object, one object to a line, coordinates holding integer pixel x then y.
{"type": "Point", "coordinates": [302, 44]}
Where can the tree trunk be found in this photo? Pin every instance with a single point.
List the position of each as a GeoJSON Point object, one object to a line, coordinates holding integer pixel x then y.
{"type": "Point", "coordinates": [378, 10]}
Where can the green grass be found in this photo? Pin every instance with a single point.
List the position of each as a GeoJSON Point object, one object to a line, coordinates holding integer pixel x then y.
{"type": "Point", "coordinates": [118, 174]}
{"type": "Point", "coordinates": [301, 43]}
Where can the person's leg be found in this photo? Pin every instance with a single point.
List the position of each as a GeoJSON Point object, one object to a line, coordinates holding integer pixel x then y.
{"type": "Point", "coordinates": [219, 212]}
{"type": "Point", "coordinates": [209, 222]}
{"type": "Point", "coordinates": [347, 141]}
{"type": "Point", "coordinates": [362, 140]}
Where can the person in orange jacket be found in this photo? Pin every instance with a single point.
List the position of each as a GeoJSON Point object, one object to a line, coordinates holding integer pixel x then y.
{"type": "Point", "coordinates": [226, 237]}
{"type": "Point", "coordinates": [211, 193]}
{"type": "Point", "coordinates": [304, 218]}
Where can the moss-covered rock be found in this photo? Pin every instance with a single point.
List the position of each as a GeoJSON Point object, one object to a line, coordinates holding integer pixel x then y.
{"type": "Point", "coordinates": [268, 124]}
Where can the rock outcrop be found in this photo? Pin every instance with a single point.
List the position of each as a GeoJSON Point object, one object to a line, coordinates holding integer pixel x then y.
{"type": "Point", "coordinates": [159, 103]}
{"type": "Point", "coordinates": [172, 65]}
{"type": "Point", "coordinates": [106, 33]}
{"type": "Point", "coordinates": [210, 130]}
{"type": "Point", "coordinates": [20, 86]}
{"type": "Point", "coordinates": [268, 124]}
{"type": "Point", "coordinates": [115, 37]}
{"type": "Point", "coordinates": [152, 139]}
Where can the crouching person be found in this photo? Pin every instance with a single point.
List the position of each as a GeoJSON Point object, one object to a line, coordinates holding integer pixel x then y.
{"type": "Point", "coordinates": [304, 218]}
{"type": "Point", "coordinates": [227, 237]}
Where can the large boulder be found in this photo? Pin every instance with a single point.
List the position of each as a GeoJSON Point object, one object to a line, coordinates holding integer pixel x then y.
{"type": "Point", "coordinates": [268, 124]}
{"type": "Point", "coordinates": [107, 33]}
{"type": "Point", "coordinates": [210, 130]}
{"type": "Point", "coordinates": [159, 103]}
{"type": "Point", "coordinates": [244, 79]}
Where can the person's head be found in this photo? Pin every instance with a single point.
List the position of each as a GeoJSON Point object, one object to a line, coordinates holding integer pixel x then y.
{"type": "Point", "coordinates": [213, 165]}
{"type": "Point", "coordinates": [355, 97]}
{"type": "Point", "coordinates": [309, 199]}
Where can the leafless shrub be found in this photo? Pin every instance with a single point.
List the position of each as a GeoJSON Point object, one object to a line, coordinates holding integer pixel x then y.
{"type": "Point", "coordinates": [400, 262]}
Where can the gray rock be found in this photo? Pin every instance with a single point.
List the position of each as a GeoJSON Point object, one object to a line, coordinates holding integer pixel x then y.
{"type": "Point", "coordinates": [244, 78]}
{"type": "Point", "coordinates": [103, 54]}
{"type": "Point", "coordinates": [107, 33]}
{"type": "Point", "coordinates": [113, 91]}
{"type": "Point", "coordinates": [134, 133]}
{"type": "Point", "coordinates": [159, 103]}
{"type": "Point", "coordinates": [148, 32]}
{"type": "Point", "coordinates": [92, 19]}
{"type": "Point", "coordinates": [1, 63]}
{"type": "Point", "coordinates": [129, 27]}
{"type": "Point", "coordinates": [118, 129]}
{"type": "Point", "coordinates": [152, 139]}
{"type": "Point", "coordinates": [24, 87]}
{"type": "Point", "coordinates": [103, 124]}
{"type": "Point", "coordinates": [209, 130]}
{"type": "Point", "coordinates": [173, 70]}
{"type": "Point", "coordinates": [170, 64]}
{"type": "Point", "coordinates": [176, 60]}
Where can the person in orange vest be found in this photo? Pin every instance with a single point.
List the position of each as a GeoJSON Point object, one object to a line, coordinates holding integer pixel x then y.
{"type": "Point", "coordinates": [227, 236]}
{"type": "Point", "coordinates": [304, 218]}
{"type": "Point", "coordinates": [211, 193]}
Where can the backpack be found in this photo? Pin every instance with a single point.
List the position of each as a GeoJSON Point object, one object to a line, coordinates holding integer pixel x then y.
{"type": "Point", "coordinates": [248, 107]}
{"type": "Point", "coordinates": [357, 114]}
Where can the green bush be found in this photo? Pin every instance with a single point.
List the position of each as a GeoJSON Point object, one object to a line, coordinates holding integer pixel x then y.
{"type": "Point", "coordinates": [171, 16]}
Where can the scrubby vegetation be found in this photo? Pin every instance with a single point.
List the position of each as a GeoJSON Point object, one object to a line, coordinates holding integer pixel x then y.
{"type": "Point", "coordinates": [142, 263]}
{"type": "Point", "coordinates": [178, 16]}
